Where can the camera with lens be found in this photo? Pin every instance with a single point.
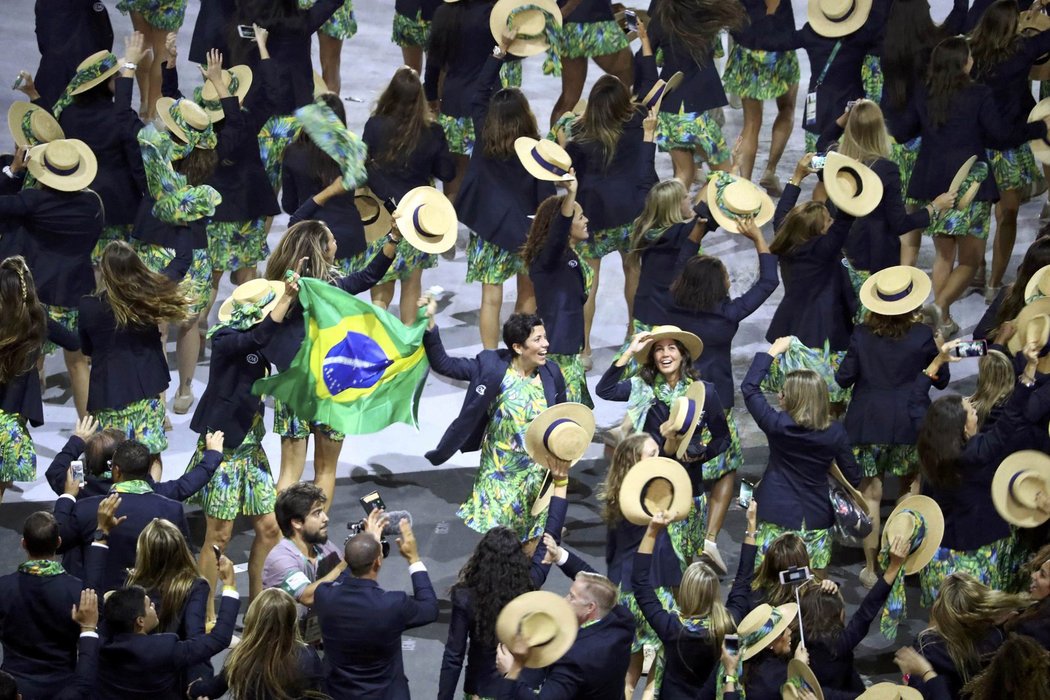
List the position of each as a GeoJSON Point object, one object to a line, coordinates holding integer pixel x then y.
{"type": "Point", "coordinates": [358, 527]}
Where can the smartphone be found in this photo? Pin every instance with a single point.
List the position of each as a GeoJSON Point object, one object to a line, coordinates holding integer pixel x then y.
{"type": "Point", "coordinates": [851, 104]}
{"type": "Point", "coordinates": [372, 501]}
{"type": "Point", "coordinates": [630, 19]}
{"type": "Point", "coordinates": [78, 470]}
{"type": "Point", "coordinates": [19, 81]}
{"type": "Point", "coordinates": [796, 574]}
{"type": "Point", "coordinates": [246, 31]}
{"type": "Point", "coordinates": [747, 489]}
{"type": "Point", "coordinates": [390, 204]}
{"type": "Point", "coordinates": [218, 552]}
{"type": "Point", "coordinates": [732, 644]}
{"type": "Point", "coordinates": [818, 161]}
{"type": "Point", "coordinates": [971, 348]}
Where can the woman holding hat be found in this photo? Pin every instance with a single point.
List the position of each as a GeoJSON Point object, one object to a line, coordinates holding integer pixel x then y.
{"type": "Point", "coordinates": [406, 149]}
{"type": "Point", "coordinates": [310, 248]}
{"type": "Point", "coordinates": [765, 644]}
{"type": "Point", "coordinates": [884, 355]}
{"type": "Point", "coordinates": [61, 221]}
{"type": "Point", "coordinates": [411, 29]}
{"type": "Point", "coordinates": [499, 195]}
{"type": "Point", "coordinates": [242, 485]}
{"type": "Point", "coordinates": [803, 443]}
{"type": "Point", "coordinates": [119, 331]}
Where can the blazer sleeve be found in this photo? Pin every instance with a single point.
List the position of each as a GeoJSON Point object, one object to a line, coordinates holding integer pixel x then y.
{"type": "Point", "coordinates": [556, 513]}
{"type": "Point", "coordinates": [556, 243]}
{"type": "Point", "coordinates": [201, 648]}
{"type": "Point", "coordinates": [575, 565]}
{"type": "Point", "coordinates": [62, 336]}
{"type": "Point", "coordinates": [422, 608]}
{"type": "Point", "coordinates": [857, 628]}
{"type": "Point", "coordinates": [1000, 134]}
{"type": "Point", "coordinates": [898, 219]}
{"type": "Point", "coordinates": [290, 198]}
{"type": "Point", "coordinates": [357, 282]}
{"type": "Point", "coordinates": [83, 682]}
{"type": "Point", "coordinates": [831, 134]}
{"type": "Point", "coordinates": [195, 609]}
{"type": "Point", "coordinates": [463, 369]}
{"type": "Point", "coordinates": [443, 167]}
{"type": "Point", "coordinates": [14, 206]}
{"type": "Point", "coordinates": [844, 457]}
{"type": "Point", "coordinates": [455, 648]}
{"type": "Point", "coordinates": [214, 687]}
{"type": "Point", "coordinates": [849, 369]}
{"type": "Point", "coordinates": [59, 467]}
{"type": "Point", "coordinates": [739, 601]}
{"type": "Point", "coordinates": [989, 448]}
{"type": "Point", "coordinates": [786, 204]}
{"type": "Point", "coordinates": [611, 387]}
{"type": "Point", "coordinates": [830, 244]}
{"type": "Point", "coordinates": [320, 13]}
{"type": "Point", "coordinates": [667, 626]}
{"type": "Point", "coordinates": [767, 417]}
{"type": "Point", "coordinates": [906, 123]}
{"type": "Point", "coordinates": [192, 481]}
{"type": "Point", "coordinates": [95, 558]}
{"type": "Point", "coordinates": [123, 88]}
{"type": "Point", "coordinates": [647, 73]}
{"type": "Point", "coordinates": [768, 280]}
{"type": "Point", "coordinates": [686, 251]}
{"type": "Point", "coordinates": [169, 81]}
{"type": "Point", "coordinates": [485, 87]}
{"type": "Point", "coordinates": [68, 524]}
{"type": "Point", "coordinates": [307, 210]}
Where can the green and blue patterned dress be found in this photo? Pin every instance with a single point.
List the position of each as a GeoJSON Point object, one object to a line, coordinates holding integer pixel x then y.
{"type": "Point", "coordinates": [162, 14]}
{"type": "Point", "coordinates": [17, 452]}
{"type": "Point", "coordinates": [242, 485]}
{"type": "Point", "coordinates": [341, 25]}
{"type": "Point", "coordinates": [818, 543]}
{"type": "Point", "coordinates": [760, 75]}
{"type": "Point", "coordinates": [993, 565]}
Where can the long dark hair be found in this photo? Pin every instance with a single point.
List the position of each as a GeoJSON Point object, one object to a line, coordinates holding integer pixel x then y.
{"type": "Point", "coordinates": [23, 323]}
{"type": "Point", "coordinates": [1019, 669]}
{"type": "Point", "coordinates": [1036, 257]}
{"type": "Point", "coordinates": [609, 107]}
{"type": "Point", "coordinates": [322, 167]}
{"type": "Point", "coordinates": [541, 227]}
{"type": "Point", "coordinates": [496, 573]}
{"type": "Point", "coordinates": [405, 106]}
{"type": "Point", "coordinates": [701, 285]}
{"type": "Point", "coordinates": [941, 441]}
{"type": "Point", "coordinates": [509, 117]}
{"type": "Point", "coordinates": [445, 30]}
{"type": "Point", "coordinates": [947, 76]}
{"type": "Point", "coordinates": [821, 615]}
{"type": "Point", "coordinates": [695, 24]}
{"type": "Point", "coordinates": [995, 38]}
{"type": "Point", "coordinates": [649, 373]}
{"type": "Point", "coordinates": [910, 36]}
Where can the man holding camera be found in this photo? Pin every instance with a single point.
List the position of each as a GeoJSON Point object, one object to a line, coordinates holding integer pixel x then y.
{"type": "Point", "coordinates": [361, 624]}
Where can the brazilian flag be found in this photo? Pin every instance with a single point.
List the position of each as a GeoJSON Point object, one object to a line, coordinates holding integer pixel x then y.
{"type": "Point", "coordinates": [358, 370]}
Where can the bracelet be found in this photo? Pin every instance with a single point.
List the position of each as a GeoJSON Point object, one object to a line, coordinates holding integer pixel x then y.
{"type": "Point", "coordinates": [391, 240]}
{"type": "Point", "coordinates": [791, 181]}
{"type": "Point", "coordinates": [88, 628]}
{"type": "Point", "coordinates": [931, 375]}
{"type": "Point", "coordinates": [751, 533]}
{"type": "Point", "coordinates": [928, 673]}
{"type": "Point", "coordinates": [729, 679]}
{"type": "Point", "coordinates": [229, 588]}
{"type": "Point", "coordinates": [1026, 380]}
{"type": "Point", "coordinates": [130, 66]}
{"type": "Point", "coordinates": [561, 482]}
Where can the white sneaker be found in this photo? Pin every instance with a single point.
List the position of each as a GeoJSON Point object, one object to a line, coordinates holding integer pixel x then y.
{"type": "Point", "coordinates": [868, 578]}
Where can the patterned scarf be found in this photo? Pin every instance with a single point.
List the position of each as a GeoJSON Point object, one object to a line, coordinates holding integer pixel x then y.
{"type": "Point", "coordinates": [175, 202]}
{"type": "Point", "coordinates": [896, 602]}
{"type": "Point", "coordinates": [41, 567]}
{"type": "Point", "coordinates": [215, 105]}
{"type": "Point", "coordinates": [244, 316]}
{"type": "Point", "coordinates": [746, 641]}
{"type": "Point", "coordinates": [550, 28]}
{"type": "Point", "coordinates": [92, 72]}
{"type": "Point", "coordinates": [135, 486]}
{"type": "Point", "coordinates": [331, 136]}
{"type": "Point", "coordinates": [195, 138]}
{"type": "Point", "coordinates": [27, 129]}
{"type": "Point", "coordinates": [644, 396]}
{"type": "Point", "coordinates": [722, 180]}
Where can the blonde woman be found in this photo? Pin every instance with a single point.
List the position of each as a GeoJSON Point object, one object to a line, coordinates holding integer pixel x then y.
{"type": "Point", "coordinates": [995, 382]}
{"type": "Point", "coordinates": [271, 662]}
{"type": "Point", "coordinates": [803, 442]}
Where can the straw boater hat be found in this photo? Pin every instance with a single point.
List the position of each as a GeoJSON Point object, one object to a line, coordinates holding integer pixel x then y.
{"type": "Point", "coordinates": [854, 187]}
{"type": "Point", "coordinates": [545, 620]}
{"type": "Point", "coordinates": [529, 17]}
{"type": "Point", "coordinates": [762, 626]}
{"type": "Point", "coordinates": [890, 691]}
{"type": "Point", "coordinates": [1039, 284]}
{"type": "Point", "coordinates": [963, 199]}
{"type": "Point", "coordinates": [67, 165]}
{"type": "Point", "coordinates": [686, 412]}
{"type": "Point", "coordinates": [237, 79]}
{"type": "Point", "coordinates": [1017, 482]}
{"type": "Point", "coordinates": [320, 87]}
{"type": "Point", "coordinates": [916, 513]}
{"type": "Point", "coordinates": [427, 220]}
{"type": "Point", "coordinates": [31, 125]}
{"type": "Point", "coordinates": [655, 484]}
{"type": "Point", "coordinates": [1030, 23]}
{"type": "Point", "coordinates": [661, 88]}
{"type": "Point", "coordinates": [564, 431]}
{"type": "Point", "coordinates": [692, 343]}
{"type": "Point", "coordinates": [1031, 324]}
{"type": "Point", "coordinates": [1040, 147]}
{"type": "Point", "coordinates": [543, 159]}
{"type": "Point", "coordinates": [837, 18]}
{"type": "Point", "coordinates": [374, 216]}
{"type": "Point", "coordinates": [730, 197]}
{"type": "Point", "coordinates": [104, 59]}
{"type": "Point", "coordinates": [800, 677]}
{"type": "Point", "coordinates": [895, 291]}
{"type": "Point", "coordinates": [191, 113]}
{"type": "Point", "coordinates": [253, 292]}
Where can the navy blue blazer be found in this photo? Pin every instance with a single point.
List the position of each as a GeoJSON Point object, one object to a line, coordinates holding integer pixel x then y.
{"type": "Point", "coordinates": [661, 262]}
{"type": "Point", "coordinates": [497, 195]}
{"type": "Point", "coordinates": [882, 371]}
{"type": "Point", "coordinates": [176, 489]}
{"type": "Point", "coordinates": [289, 336]}
{"type": "Point", "coordinates": [833, 663]}
{"type": "Point", "coordinates": [557, 275]}
{"type": "Point", "coordinates": [592, 669]}
{"type": "Point", "coordinates": [21, 395]}
{"type": "Point", "coordinates": [77, 521]}
{"type": "Point", "coordinates": [484, 373]}
{"type": "Point", "coordinates": [932, 646]}
{"type": "Point", "coordinates": [458, 76]}
{"type": "Point", "coordinates": [718, 327]}
{"type": "Point", "coordinates": [763, 31]}
{"type": "Point", "coordinates": [236, 363]}
{"type": "Point", "coordinates": [974, 125]}
{"type": "Point", "coordinates": [311, 678]}
{"type": "Point", "coordinates": [38, 635]}
{"type": "Point", "coordinates": [793, 492]}
{"type": "Point", "coordinates": [110, 129]}
{"type": "Point", "coordinates": [211, 29]}
{"type": "Point", "coordinates": [150, 666]}
{"type": "Point", "coordinates": [816, 306]}
{"type": "Point", "coordinates": [361, 625]}
{"type": "Point", "coordinates": [701, 89]}
{"type": "Point", "coordinates": [67, 32]}
{"type": "Point", "coordinates": [60, 231]}
{"type": "Point", "coordinates": [482, 677]}
{"type": "Point", "coordinates": [429, 160]}
{"type": "Point", "coordinates": [409, 8]}
{"type": "Point", "coordinates": [1009, 79]}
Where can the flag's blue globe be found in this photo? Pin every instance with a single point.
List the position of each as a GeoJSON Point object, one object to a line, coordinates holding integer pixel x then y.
{"type": "Point", "coordinates": [356, 362]}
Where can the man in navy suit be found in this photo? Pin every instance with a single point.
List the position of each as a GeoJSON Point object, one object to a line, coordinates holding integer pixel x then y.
{"type": "Point", "coordinates": [596, 664]}
{"type": "Point", "coordinates": [361, 624]}
{"type": "Point", "coordinates": [139, 504]}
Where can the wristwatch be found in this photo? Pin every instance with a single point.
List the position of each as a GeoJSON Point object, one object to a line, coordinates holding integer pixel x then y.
{"type": "Point", "coordinates": [129, 66]}
{"type": "Point", "coordinates": [100, 536]}
{"type": "Point", "coordinates": [729, 679]}
{"type": "Point", "coordinates": [391, 240]}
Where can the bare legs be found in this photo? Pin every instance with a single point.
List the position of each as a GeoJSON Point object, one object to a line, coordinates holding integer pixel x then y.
{"type": "Point", "coordinates": [79, 377]}
{"type": "Point", "coordinates": [149, 69]}
{"type": "Point", "coordinates": [1005, 234]}
{"type": "Point", "coordinates": [413, 57]}
{"type": "Point", "coordinates": [492, 304]}
{"type": "Point", "coordinates": [451, 188]}
{"type": "Point", "coordinates": [590, 304]}
{"type": "Point", "coordinates": [187, 351]}
{"type": "Point", "coordinates": [411, 290]}
{"type": "Point", "coordinates": [910, 244]}
{"type": "Point", "coordinates": [634, 674]}
{"type": "Point", "coordinates": [326, 460]}
{"type": "Point", "coordinates": [949, 283]}
{"type": "Point", "coordinates": [330, 50]}
{"type": "Point", "coordinates": [749, 135]}
{"type": "Point", "coordinates": [782, 127]}
{"type": "Point", "coordinates": [218, 533]}
{"type": "Point", "coordinates": [718, 504]}
{"type": "Point", "coordinates": [574, 75]}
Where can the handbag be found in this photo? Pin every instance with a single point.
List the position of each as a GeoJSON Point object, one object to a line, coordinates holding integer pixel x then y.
{"type": "Point", "coordinates": [852, 522]}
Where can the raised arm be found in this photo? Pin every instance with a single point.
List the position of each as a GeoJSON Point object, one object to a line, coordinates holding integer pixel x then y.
{"type": "Point", "coordinates": [767, 417]}
{"type": "Point", "coordinates": [460, 368]}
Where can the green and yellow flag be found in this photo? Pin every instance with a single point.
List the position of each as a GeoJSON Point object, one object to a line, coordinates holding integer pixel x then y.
{"type": "Point", "coordinates": [359, 369]}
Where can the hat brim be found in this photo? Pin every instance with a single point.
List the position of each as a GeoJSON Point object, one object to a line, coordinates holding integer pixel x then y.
{"type": "Point", "coordinates": [426, 243]}
{"type": "Point", "coordinates": [934, 519]}
{"type": "Point", "coordinates": [632, 489]}
{"type": "Point", "coordinates": [1038, 307]}
{"type": "Point", "coordinates": [1040, 147]}
{"type": "Point", "coordinates": [509, 620]}
{"type": "Point", "coordinates": [693, 345]}
{"type": "Point", "coordinates": [226, 308]}
{"type": "Point", "coordinates": [729, 223]}
{"type": "Point", "coordinates": [99, 79]}
{"type": "Point", "coordinates": [82, 177]}
{"type": "Point", "coordinates": [961, 174]}
{"type": "Point", "coordinates": [244, 83]}
{"type": "Point", "coordinates": [798, 669]}
{"type": "Point", "coordinates": [521, 47]}
{"type": "Point", "coordinates": [576, 412]}
{"type": "Point", "coordinates": [523, 146]}
{"type": "Point", "coordinates": [920, 290]}
{"type": "Point", "coordinates": [698, 394]}
{"type": "Point", "coordinates": [163, 111]}
{"type": "Point", "coordinates": [17, 112]}
{"type": "Point", "coordinates": [379, 226]}
{"type": "Point", "coordinates": [1032, 288]}
{"type": "Point", "coordinates": [890, 691]}
{"type": "Point", "coordinates": [788, 612]}
{"type": "Point", "coordinates": [652, 99]}
{"type": "Point", "coordinates": [1008, 508]}
{"type": "Point", "coordinates": [834, 29]}
{"type": "Point", "coordinates": [860, 200]}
